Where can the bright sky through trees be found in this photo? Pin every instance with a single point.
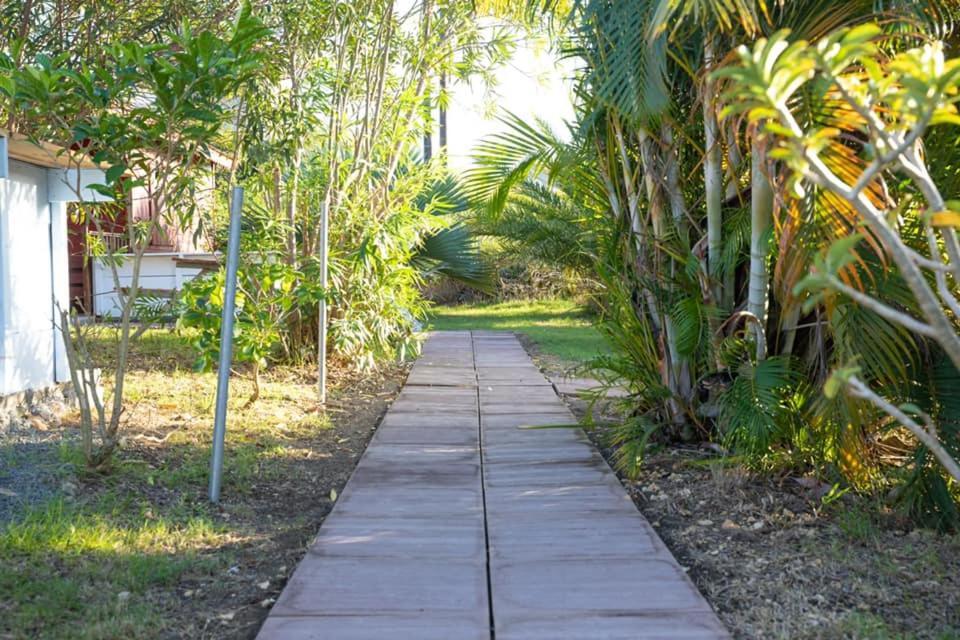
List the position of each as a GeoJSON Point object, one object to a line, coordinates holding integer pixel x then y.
{"type": "Point", "coordinates": [534, 84]}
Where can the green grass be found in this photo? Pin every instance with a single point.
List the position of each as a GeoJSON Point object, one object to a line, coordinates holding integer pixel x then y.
{"type": "Point", "coordinates": [88, 568]}
{"type": "Point", "coordinates": [108, 562]}
{"type": "Point", "coordinates": [560, 328]}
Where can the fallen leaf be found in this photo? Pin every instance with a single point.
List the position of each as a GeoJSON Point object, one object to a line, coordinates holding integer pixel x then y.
{"type": "Point", "coordinates": [333, 495]}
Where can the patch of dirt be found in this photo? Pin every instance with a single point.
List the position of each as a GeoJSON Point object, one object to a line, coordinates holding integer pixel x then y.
{"type": "Point", "coordinates": [776, 561]}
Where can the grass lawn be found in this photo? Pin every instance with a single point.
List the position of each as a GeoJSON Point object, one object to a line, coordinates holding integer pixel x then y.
{"type": "Point", "coordinates": [560, 329]}
{"type": "Point", "coordinates": [139, 552]}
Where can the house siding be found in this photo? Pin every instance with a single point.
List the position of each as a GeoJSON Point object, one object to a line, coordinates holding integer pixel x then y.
{"type": "Point", "coordinates": [31, 352]}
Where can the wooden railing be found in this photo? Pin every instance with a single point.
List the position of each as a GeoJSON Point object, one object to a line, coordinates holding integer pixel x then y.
{"type": "Point", "coordinates": [111, 242]}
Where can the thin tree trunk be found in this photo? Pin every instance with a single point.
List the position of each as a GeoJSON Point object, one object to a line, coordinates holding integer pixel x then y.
{"type": "Point", "coordinates": [734, 162]}
{"type": "Point", "coordinates": [293, 189]}
{"type": "Point", "coordinates": [683, 383]}
{"type": "Point", "coordinates": [657, 210]}
{"type": "Point", "coordinates": [712, 179]}
{"type": "Point", "coordinates": [761, 216]}
{"type": "Point", "coordinates": [443, 117]}
{"type": "Point", "coordinates": [788, 328]}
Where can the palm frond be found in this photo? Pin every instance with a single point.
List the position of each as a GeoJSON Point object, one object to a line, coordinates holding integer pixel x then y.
{"type": "Point", "coordinates": [455, 253]}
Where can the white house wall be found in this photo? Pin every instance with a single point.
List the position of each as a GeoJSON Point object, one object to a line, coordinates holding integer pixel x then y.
{"type": "Point", "coordinates": [73, 185]}
{"type": "Point", "coordinates": [157, 272]}
{"type": "Point", "coordinates": [29, 344]}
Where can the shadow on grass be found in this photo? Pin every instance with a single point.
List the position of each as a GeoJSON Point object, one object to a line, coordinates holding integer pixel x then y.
{"type": "Point", "coordinates": [114, 559]}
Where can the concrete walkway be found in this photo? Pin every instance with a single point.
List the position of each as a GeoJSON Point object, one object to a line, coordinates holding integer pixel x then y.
{"type": "Point", "coordinates": [459, 523]}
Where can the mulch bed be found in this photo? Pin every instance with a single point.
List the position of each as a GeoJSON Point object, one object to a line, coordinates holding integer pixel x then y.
{"type": "Point", "coordinates": [775, 562]}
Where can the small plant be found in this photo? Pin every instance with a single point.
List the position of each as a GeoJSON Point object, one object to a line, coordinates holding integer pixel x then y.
{"type": "Point", "coordinates": [270, 295]}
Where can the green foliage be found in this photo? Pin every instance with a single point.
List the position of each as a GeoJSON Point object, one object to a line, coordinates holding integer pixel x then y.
{"type": "Point", "coordinates": [761, 409]}
{"type": "Point", "coordinates": [265, 305]}
{"type": "Point", "coordinates": [148, 114]}
{"type": "Point", "coordinates": [926, 495]}
{"type": "Point", "coordinates": [605, 203]}
{"type": "Point", "coordinates": [631, 439]}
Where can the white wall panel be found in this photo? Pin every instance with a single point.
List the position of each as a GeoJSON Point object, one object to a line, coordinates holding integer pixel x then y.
{"type": "Point", "coordinates": [26, 292]}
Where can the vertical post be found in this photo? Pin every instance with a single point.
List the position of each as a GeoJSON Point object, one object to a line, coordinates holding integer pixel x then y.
{"type": "Point", "coordinates": [226, 345]}
{"type": "Point", "coordinates": [4, 162]}
{"type": "Point", "coordinates": [322, 311]}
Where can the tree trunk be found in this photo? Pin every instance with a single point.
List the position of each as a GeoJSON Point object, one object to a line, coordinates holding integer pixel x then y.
{"type": "Point", "coordinates": [761, 216]}
{"type": "Point", "coordinates": [734, 162]}
{"type": "Point", "coordinates": [682, 376]}
{"type": "Point", "coordinates": [712, 180]}
{"type": "Point", "coordinates": [293, 189]}
{"type": "Point", "coordinates": [649, 157]}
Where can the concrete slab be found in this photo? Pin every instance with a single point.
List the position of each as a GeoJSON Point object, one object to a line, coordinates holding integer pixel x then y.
{"type": "Point", "coordinates": [443, 505]}
{"type": "Point", "coordinates": [402, 538]}
{"type": "Point", "coordinates": [492, 408]}
{"type": "Point", "coordinates": [581, 626]}
{"type": "Point", "coordinates": [509, 393]}
{"type": "Point", "coordinates": [534, 452]}
{"type": "Point", "coordinates": [417, 455]}
{"type": "Point", "coordinates": [537, 474]}
{"type": "Point", "coordinates": [361, 586]}
{"type": "Point", "coordinates": [394, 434]}
{"type": "Point", "coordinates": [594, 586]}
{"type": "Point", "coordinates": [561, 537]}
{"type": "Point", "coordinates": [416, 477]}
{"type": "Point", "coordinates": [440, 394]}
{"type": "Point", "coordinates": [496, 441]}
{"type": "Point", "coordinates": [577, 500]}
{"type": "Point", "coordinates": [433, 408]}
{"type": "Point", "coordinates": [420, 626]}
{"type": "Point", "coordinates": [443, 376]}
{"type": "Point", "coordinates": [515, 420]}
{"type": "Point", "coordinates": [549, 441]}
{"type": "Point", "coordinates": [444, 421]}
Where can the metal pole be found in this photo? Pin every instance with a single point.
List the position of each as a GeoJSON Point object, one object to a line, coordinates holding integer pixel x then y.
{"type": "Point", "coordinates": [322, 311]}
{"type": "Point", "coordinates": [226, 345]}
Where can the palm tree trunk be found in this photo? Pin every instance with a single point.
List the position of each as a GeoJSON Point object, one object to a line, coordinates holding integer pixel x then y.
{"type": "Point", "coordinates": [734, 162]}
{"type": "Point", "coordinates": [712, 178]}
{"type": "Point", "coordinates": [682, 377]}
{"type": "Point", "coordinates": [761, 216]}
{"type": "Point", "coordinates": [788, 328]}
{"type": "Point", "coordinates": [713, 192]}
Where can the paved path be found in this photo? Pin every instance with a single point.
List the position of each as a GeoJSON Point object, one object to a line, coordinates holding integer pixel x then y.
{"type": "Point", "coordinates": [459, 524]}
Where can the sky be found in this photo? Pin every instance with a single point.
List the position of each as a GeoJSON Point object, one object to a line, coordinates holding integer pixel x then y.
{"type": "Point", "coordinates": [534, 84]}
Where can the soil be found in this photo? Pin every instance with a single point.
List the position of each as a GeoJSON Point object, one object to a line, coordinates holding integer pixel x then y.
{"type": "Point", "coordinates": [775, 562]}
{"type": "Point", "coordinates": [778, 557]}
